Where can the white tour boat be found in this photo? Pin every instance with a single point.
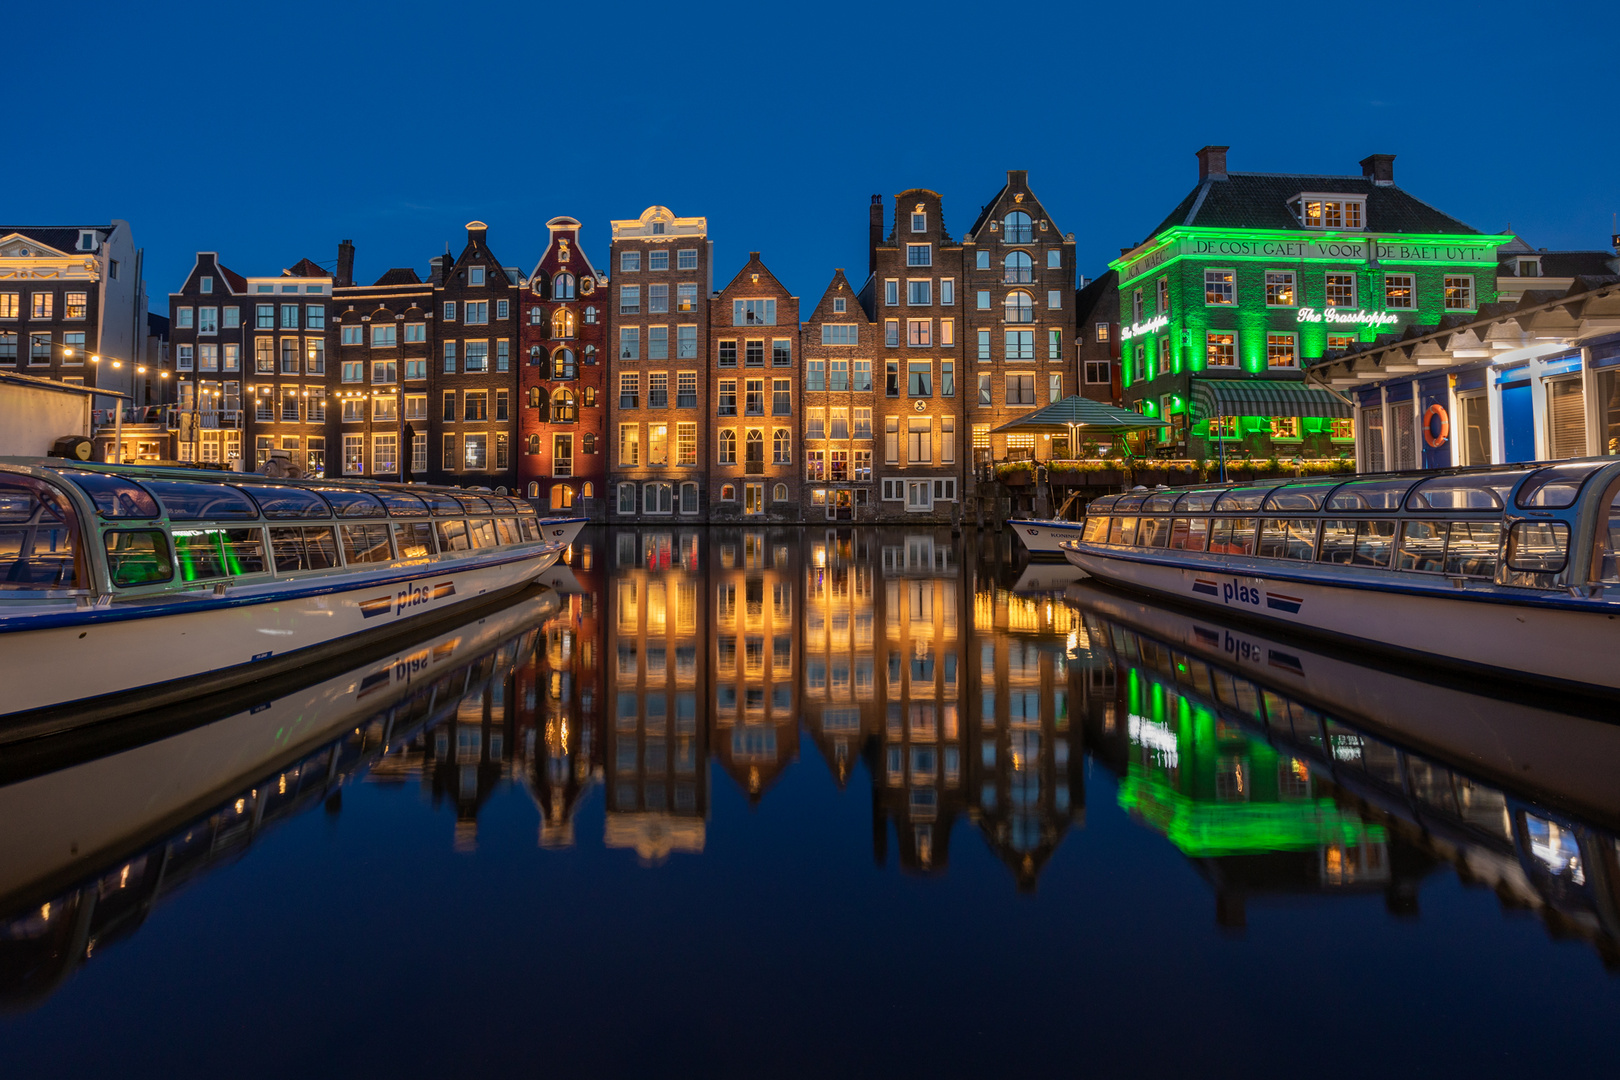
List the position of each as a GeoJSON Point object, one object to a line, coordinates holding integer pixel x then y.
{"type": "Point", "coordinates": [1505, 570]}
{"type": "Point", "coordinates": [124, 587]}
{"type": "Point", "coordinates": [1045, 536]}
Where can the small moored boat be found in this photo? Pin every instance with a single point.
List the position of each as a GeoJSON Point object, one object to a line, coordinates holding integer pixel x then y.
{"type": "Point", "coordinates": [123, 586]}
{"type": "Point", "coordinates": [1508, 570]}
{"type": "Point", "coordinates": [1045, 536]}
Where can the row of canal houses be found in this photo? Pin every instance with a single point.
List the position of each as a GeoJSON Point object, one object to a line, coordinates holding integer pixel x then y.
{"type": "Point", "coordinates": [1267, 316]}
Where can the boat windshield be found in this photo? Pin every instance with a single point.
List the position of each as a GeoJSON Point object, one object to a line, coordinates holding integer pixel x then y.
{"type": "Point", "coordinates": [1301, 496]}
{"type": "Point", "coordinates": [283, 503]}
{"type": "Point", "coordinates": [36, 537]}
{"type": "Point", "coordinates": [192, 500]}
{"type": "Point", "coordinates": [114, 496]}
{"type": "Point", "coordinates": [1244, 498]}
{"type": "Point", "coordinates": [1371, 494]}
{"type": "Point", "coordinates": [1468, 491]}
{"type": "Point", "coordinates": [1557, 486]}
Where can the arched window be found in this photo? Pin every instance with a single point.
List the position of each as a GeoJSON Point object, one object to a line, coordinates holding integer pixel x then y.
{"type": "Point", "coordinates": [587, 490]}
{"type": "Point", "coordinates": [563, 409]}
{"type": "Point", "coordinates": [590, 442]}
{"type": "Point", "coordinates": [590, 354]}
{"type": "Point", "coordinates": [562, 364]}
{"type": "Point", "coordinates": [562, 287]}
{"type": "Point", "coordinates": [728, 492]}
{"type": "Point", "coordinates": [534, 444]}
{"type": "Point", "coordinates": [781, 447]}
{"type": "Point", "coordinates": [535, 351]}
{"type": "Point", "coordinates": [534, 486]}
{"type": "Point", "coordinates": [779, 493]}
{"type": "Point", "coordinates": [728, 447]}
{"type": "Point", "coordinates": [536, 316]}
{"type": "Point", "coordinates": [562, 323]}
{"type": "Point", "coordinates": [1020, 307]}
{"type": "Point", "coordinates": [1018, 268]}
{"type": "Point", "coordinates": [562, 497]}
{"type": "Point", "coordinates": [1015, 228]}
{"type": "Point", "coordinates": [756, 446]}
{"type": "Point", "coordinates": [590, 316]}
{"type": "Point", "coordinates": [534, 402]}
{"type": "Point", "coordinates": [590, 397]}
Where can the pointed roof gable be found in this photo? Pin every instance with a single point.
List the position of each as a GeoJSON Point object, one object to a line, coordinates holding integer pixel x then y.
{"type": "Point", "coordinates": [306, 268]}
{"type": "Point", "coordinates": [579, 263]}
{"type": "Point", "coordinates": [839, 285]}
{"type": "Point", "coordinates": [399, 275]}
{"type": "Point", "coordinates": [750, 277]}
{"type": "Point", "coordinates": [1014, 194]}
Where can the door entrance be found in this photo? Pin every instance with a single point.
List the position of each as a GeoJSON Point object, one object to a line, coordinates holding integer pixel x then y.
{"type": "Point", "coordinates": [840, 505]}
{"type": "Point", "coordinates": [1518, 423]}
{"type": "Point", "coordinates": [753, 498]}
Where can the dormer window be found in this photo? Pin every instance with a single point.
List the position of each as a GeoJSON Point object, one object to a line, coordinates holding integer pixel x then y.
{"type": "Point", "coordinates": [658, 228]}
{"type": "Point", "coordinates": [87, 240]}
{"type": "Point", "coordinates": [1529, 267]}
{"type": "Point", "coordinates": [1330, 211]}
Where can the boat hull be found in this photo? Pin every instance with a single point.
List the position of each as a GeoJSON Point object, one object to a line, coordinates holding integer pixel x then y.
{"type": "Point", "coordinates": [84, 665]}
{"type": "Point", "coordinates": [1043, 537]}
{"type": "Point", "coordinates": [1549, 640]}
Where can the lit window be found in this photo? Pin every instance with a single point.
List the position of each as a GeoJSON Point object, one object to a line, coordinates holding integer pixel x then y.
{"type": "Point", "coordinates": [1460, 293]}
{"type": "Point", "coordinates": [1221, 350]}
{"type": "Point", "coordinates": [1220, 287]}
{"type": "Point", "coordinates": [1400, 292]}
{"type": "Point", "coordinates": [1280, 288]}
{"type": "Point", "coordinates": [1282, 351]}
{"type": "Point", "coordinates": [1340, 290]}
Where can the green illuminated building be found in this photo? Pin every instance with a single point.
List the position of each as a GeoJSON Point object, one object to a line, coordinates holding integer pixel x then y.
{"type": "Point", "coordinates": [1255, 276]}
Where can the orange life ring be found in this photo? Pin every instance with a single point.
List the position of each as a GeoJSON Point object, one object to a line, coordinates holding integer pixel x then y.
{"type": "Point", "coordinates": [1430, 438]}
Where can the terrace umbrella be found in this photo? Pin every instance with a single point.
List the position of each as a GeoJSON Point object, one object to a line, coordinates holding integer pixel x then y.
{"type": "Point", "coordinates": [1075, 414]}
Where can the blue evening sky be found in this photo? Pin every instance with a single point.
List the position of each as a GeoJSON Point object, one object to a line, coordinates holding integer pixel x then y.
{"type": "Point", "coordinates": [268, 133]}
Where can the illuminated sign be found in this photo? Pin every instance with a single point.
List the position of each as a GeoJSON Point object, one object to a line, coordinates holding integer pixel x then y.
{"type": "Point", "coordinates": [1147, 326]}
{"type": "Point", "coordinates": [1347, 318]}
{"type": "Point", "coordinates": [1293, 247]}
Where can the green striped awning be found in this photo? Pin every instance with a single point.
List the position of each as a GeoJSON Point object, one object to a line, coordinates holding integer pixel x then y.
{"type": "Point", "coordinates": [1263, 397]}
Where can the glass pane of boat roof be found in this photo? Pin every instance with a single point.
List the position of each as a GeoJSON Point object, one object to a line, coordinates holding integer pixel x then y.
{"type": "Point", "coordinates": [1102, 505]}
{"type": "Point", "coordinates": [1161, 503]}
{"type": "Point", "coordinates": [188, 500]}
{"type": "Point", "coordinates": [442, 505]}
{"type": "Point", "coordinates": [1198, 500]}
{"type": "Point", "coordinates": [1557, 486]}
{"type": "Point", "coordinates": [401, 504]}
{"type": "Point", "coordinates": [474, 504]}
{"type": "Point", "coordinates": [1244, 498]}
{"type": "Point", "coordinates": [114, 496]}
{"type": "Point", "coordinates": [288, 502]}
{"type": "Point", "coordinates": [1371, 494]}
{"type": "Point", "coordinates": [353, 504]}
{"type": "Point", "coordinates": [1470, 491]}
{"type": "Point", "coordinates": [1301, 496]}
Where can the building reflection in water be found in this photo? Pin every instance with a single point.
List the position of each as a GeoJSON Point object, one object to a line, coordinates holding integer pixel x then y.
{"type": "Point", "coordinates": [967, 698]}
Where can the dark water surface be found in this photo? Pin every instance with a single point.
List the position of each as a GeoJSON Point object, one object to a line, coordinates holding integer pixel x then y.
{"type": "Point", "coordinates": [810, 802]}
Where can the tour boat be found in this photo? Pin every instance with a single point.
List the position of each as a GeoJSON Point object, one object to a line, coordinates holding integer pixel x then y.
{"type": "Point", "coordinates": [1505, 570]}
{"type": "Point", "coordinates": [128, 586]}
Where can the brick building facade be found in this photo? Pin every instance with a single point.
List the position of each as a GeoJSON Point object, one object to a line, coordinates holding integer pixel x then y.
{"type": "Point", "coordinates": [381, 376]}
{"type": "Point", "coordinates": [1096, 338]}
{"type": "Point", "coordinates": [212, 358]}
{"type": "Point", "coordinates": [562, 410]}
{"type": "Point", "coordinates": [1020, 315]}
{"type": "Point", "coordinates": [838, 346]}
{"type": "Point", "coordinates": [472, 424]}
{"type": "Point", "coordinates": [661, 419]}
{"type": "Point", "coordinates": [914, 294]}
{"type": "Point", "coordinates": [753, 375]}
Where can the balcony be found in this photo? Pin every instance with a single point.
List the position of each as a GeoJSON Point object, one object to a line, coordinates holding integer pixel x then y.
{"type": "Point", "coordinates": [754, 468]}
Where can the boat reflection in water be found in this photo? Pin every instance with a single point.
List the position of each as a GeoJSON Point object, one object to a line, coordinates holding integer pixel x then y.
{"type": "Point", "coordinates": [112, 826]}
{"type": "Point", "coordinates": [1280, 770]}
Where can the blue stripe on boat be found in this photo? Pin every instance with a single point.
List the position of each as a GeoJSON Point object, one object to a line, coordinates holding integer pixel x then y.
{"type": "Point", "coordinates": [1208, 588]}
{"type": "Point", "coordinates": [1289, 604]}
{"type": "Point", "coordinates": [377, 605]}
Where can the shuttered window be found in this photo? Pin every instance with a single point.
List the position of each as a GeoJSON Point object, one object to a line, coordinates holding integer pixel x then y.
{"type": "Point", "coordinates": [1403, 443]}
{"type": "Point", "coordinates": [1372, 437]}
{"type": "Point", "coordinates": [1566, 419]}
{"type": "Point", "coordinates": [1476, 430]}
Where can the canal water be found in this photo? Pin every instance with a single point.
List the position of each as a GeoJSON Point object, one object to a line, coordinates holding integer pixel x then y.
{"type": "Point", "coordinates": [819, 802]}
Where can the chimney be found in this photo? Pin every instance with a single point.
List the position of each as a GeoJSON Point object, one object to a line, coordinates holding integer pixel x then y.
{"type": "Point", "coordinates": [874, 232]}
{"type": "Point", "coordinates": [1379, 168]}
{"type": "Point", "coordinates": [345, 264]}
{"type": "Point", "coordinates": [1212, 163]}
{"type": "Point", "coordinates": [436, 274]}
{"type": "Point", "coordinates": [1017, 180]}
